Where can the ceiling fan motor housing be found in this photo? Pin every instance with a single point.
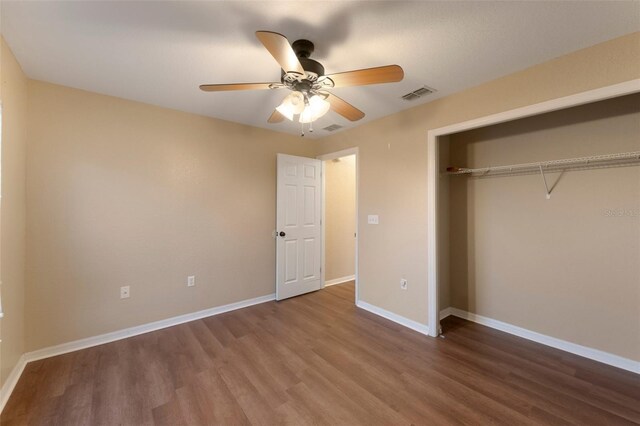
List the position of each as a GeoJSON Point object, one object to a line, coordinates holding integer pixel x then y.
{"type": "Point", "coordinates": [303, 49]}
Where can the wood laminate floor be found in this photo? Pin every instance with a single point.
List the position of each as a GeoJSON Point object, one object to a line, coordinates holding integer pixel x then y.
{"type": "Point", "coordinates": [317, 359]}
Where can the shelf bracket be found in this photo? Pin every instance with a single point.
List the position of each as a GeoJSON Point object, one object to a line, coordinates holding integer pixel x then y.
{"type": "Point", "coordinates": [544, 179]}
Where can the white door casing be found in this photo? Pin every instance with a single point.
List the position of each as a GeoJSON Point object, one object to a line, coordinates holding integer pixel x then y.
{"type": "Point", "coordinates": [298, 225]}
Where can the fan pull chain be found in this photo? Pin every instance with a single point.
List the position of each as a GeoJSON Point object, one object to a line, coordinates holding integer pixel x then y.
{"type": "Point", "coordinates": [302, 128]}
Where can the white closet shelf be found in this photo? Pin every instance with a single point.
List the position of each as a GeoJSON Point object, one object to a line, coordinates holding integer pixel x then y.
{"type": "Point", "coordinates": [581, 163]}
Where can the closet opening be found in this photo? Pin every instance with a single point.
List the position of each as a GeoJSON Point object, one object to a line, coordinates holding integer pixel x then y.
{"type": "Point", "coordinates": [537, 223]}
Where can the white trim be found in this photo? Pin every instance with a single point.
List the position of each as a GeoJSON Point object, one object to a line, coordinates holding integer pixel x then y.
{"type": "Point", "coordinates": [338, 154]}
{"type": "Point", "coordinates": [601, 94]}
{"type": "Point", "coordinates": [77, 345]}
{"type": "Point", "coordinates": [432, 233]}
{"type": "Point", "coordinates": [445, 313]}
{"type": "Point", "coordinates": [608, 92]}
{"type": "Point", "coordinates": [414, 325]}
{"type": "Point", "coordinates": [12, 381]}
{"type": "Point", "coordinates": [323, 266]}
{"type": "Point", "coordinates": [340, 280]}
{"type": "Point", "coordinates": [574, 348]}
{"type": "Point", "coordinates": [141, 329]}
{"type": "Point", "coordinates": [1, 311]}
{"type": "Point", "coordinates": [330, 156]}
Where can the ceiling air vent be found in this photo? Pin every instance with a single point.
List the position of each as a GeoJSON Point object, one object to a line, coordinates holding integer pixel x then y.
{"type": "Point", "coordinates": [410, 96]}
{"type": "Point", "coordinates": [423, 91]}
{"type": "Point", "coordinates": [332, 128]}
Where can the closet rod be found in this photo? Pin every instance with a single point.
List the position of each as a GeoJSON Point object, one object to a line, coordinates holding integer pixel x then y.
{"type": "Point", "coordinates": [595, 161]}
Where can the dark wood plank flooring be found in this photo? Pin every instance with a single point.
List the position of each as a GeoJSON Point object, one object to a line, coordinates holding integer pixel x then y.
{"type": "Point", "coordinates": [317, 359]}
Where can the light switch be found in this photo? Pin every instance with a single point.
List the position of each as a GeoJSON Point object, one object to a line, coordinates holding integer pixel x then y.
{"type": "Point", "coordinates": [372, 219]}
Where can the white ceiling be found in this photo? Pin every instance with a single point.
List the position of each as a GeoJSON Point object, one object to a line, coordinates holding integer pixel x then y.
{"type": "Point", "coordinates": [159, 52]}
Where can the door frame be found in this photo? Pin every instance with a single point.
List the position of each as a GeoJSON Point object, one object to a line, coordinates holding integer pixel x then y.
{"type": "Point", "coordinates": [433, 169]}
{"type": "Point", "coordinates": [332, 156]}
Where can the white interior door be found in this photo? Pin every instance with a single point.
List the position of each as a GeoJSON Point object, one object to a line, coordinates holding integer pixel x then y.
{"type": "Point", "coordinates": [298, 226]}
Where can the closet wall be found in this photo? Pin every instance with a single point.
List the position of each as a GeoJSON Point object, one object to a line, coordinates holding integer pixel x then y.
{"type": "Point", "coordinates": [567, 267]}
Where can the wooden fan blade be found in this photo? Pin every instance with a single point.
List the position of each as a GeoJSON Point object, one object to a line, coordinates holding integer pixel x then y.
{"type": "Point", "coordinates": [235, 86]}
{"type": "Point", "coordinates": [276, 117]}
{"type": "Point", "coordinates": [281, 50]}
{"type": "Point", "coordinates": [386, 74]}
{"type": "Point", "coordinates": [344, 108]}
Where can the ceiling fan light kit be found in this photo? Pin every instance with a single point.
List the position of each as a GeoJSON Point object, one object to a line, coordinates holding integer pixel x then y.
{"type": "Point", "coordinates": [309, 109]}
{"type": "Point", "coordinates": [317, 108]}
{"type": "Point", "coordinates": [294, 103]}
{"type": "Point", "coordinates": [308, 84]}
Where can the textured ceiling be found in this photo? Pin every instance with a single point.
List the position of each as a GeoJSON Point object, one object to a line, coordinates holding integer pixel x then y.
{"type": "Point", "coordinates": [159, 52]}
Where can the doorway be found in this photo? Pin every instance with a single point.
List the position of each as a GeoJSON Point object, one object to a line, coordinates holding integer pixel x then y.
{"type": "Point", "coordinates": [340, 219]}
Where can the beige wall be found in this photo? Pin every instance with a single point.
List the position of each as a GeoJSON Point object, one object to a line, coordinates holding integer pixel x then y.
{"type": "Point", "coordinates": [122, 193]}
{"type": "Point", "coordinates": [564, 267]}
{"type": "Point", "coordinates": [340, 217]}
{"type": "Point", "coordinates": [393, 163]}
{"type": "Point", "coordinates": [13, 95]}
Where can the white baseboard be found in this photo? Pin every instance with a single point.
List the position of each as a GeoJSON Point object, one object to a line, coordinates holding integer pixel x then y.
{"type": "Point", "coordinates": [574, 348]}
{"type": "Point", "coordinates": [445, 313]}
{"type": "Point", "coordinates": [595, 354]}
{"type": "Point", "coordinates": [141, 329]}
{"type": "Point", "coordinates": [340, 280]}
{"type": "Point", "coordinates": [414, 325]}
{"type": "Point", "coordinates": [12, 381]}
{"type": "Point", "coordinates": [76, 345]}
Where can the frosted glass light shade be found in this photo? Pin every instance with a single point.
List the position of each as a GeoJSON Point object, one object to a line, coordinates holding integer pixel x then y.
{"type": "Point", "coordinates": [292, 104]}
{"type": "Point", "coordinates": [317, 108]}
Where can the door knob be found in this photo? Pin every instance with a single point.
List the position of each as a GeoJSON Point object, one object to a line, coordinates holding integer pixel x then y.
{"type": "Point", "coordinates": [282, 234]}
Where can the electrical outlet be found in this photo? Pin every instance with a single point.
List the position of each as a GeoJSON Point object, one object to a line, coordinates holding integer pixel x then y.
{"type": "Point", "coordinates": [124, 292]}
{"type": "Point", "coordinates": [191, 280]}
{"type": "Point", "coordinates": [403, 284]}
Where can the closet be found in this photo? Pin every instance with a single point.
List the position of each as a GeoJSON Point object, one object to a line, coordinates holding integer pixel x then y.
{"type": "Point", "coordinates": [539, 224]}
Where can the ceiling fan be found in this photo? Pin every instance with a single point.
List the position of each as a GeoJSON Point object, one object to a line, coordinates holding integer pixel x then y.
{"type": "Point", "coordinates": [305, 78]}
